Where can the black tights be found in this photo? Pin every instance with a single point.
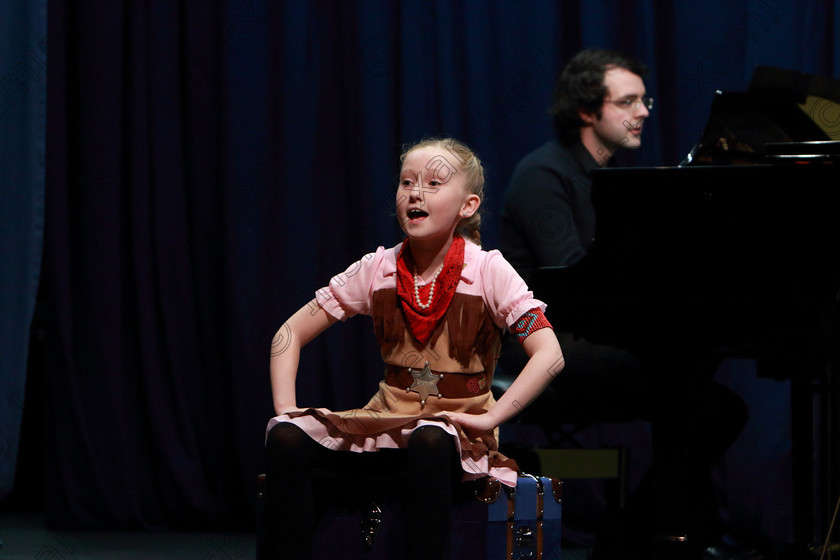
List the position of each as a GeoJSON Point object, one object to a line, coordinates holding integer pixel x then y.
{"type": "Point", "coordinates": [295, 461]}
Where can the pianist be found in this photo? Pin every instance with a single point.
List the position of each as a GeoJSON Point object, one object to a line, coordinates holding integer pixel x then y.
{"type": "Point", "coordinates": [599, 106]}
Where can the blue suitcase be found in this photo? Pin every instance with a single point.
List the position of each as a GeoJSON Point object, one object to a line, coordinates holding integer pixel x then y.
{"type": "Point", "coordinates": [517, 523]}
{"type": "Point", "coordinates": [489, 521]}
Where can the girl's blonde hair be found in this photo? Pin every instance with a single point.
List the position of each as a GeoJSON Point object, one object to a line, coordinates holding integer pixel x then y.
{"type": "Point", "coordinates": [468, 162]}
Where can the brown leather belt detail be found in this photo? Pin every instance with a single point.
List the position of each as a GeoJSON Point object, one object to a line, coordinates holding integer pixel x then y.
{"type": "Point", "coordinates": [451, 385]}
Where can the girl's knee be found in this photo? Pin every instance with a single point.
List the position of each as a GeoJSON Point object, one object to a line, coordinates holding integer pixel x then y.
{"type": "Point", "coordinates": [284, 434]}
{"type": "Point", "coordinates": [430, 439]}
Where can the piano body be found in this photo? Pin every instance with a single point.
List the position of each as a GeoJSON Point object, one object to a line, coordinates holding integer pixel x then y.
{"type": "Point", "coordinates": [735, 253]}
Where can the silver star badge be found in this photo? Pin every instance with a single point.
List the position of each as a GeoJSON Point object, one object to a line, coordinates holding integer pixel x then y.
{"type": "Point", "coordinates": [425, 383]}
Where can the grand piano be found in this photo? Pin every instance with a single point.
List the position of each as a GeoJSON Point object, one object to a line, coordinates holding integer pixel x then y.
{"type": "Point", "coordinates": [734, 253]}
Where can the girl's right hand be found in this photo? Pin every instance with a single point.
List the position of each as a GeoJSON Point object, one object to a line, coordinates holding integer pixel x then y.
{"type": "Point", "coordinates": [479, 423]}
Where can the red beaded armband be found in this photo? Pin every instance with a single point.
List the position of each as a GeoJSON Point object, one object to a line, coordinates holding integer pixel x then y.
{"type": "Point", "coordinates": [532, 320]}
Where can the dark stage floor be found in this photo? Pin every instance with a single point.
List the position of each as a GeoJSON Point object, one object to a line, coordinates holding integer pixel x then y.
{"type": "Point", "coordinates": [24, 537]}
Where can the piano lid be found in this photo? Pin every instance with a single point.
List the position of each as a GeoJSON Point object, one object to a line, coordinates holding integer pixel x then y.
{"type": "Point", "coordinates": [780, 107]}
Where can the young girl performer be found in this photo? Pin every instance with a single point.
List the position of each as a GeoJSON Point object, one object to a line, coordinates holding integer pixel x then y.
{"type": "Point", "coordinates": [438, 304]}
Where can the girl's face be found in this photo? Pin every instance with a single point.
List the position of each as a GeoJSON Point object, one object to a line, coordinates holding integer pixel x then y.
{"type": "Point", "coordinates": [432, 196]}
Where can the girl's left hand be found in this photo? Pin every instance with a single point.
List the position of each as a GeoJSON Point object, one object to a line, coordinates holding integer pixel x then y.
{"type": "Point", "coordinates": [472, 422]}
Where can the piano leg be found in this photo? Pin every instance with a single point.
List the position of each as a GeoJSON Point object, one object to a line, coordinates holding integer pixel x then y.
{"type": "Point", "coordinates": [816, 463]}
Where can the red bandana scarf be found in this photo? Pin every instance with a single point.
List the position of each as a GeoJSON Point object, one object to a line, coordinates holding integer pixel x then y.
{"type": "Point", "coordinates": [422, 322]}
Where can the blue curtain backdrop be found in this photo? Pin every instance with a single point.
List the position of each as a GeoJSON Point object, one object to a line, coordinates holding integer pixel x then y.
{"type": "Point", "coordinates": [213, 163]}
{"type": "Point", "coordinates": [23, 86]}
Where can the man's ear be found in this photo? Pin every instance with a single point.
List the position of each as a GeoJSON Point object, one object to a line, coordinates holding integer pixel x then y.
{"type": "Point", "coordinates": [586, 116]}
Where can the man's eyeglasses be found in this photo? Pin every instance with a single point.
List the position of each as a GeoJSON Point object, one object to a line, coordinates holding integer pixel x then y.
{"type": "Point", "coordinates": [633, 103]}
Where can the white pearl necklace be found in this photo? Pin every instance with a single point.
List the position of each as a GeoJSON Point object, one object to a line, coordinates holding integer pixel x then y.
{"type": "Point", "coordinates": [431, 289]}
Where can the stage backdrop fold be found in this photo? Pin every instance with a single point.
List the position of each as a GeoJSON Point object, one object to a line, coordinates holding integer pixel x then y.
{"type": "Point", "coordinates": [23, 86]}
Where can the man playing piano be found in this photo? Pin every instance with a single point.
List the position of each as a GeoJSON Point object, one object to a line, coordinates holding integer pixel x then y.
{"type": "Point", "coordinates": [599, 107]}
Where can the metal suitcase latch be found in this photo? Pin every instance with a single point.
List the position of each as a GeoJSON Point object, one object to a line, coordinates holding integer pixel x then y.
{"type": "Point", "coordinates": [369, 525]}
